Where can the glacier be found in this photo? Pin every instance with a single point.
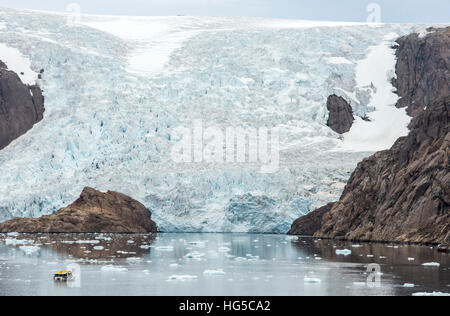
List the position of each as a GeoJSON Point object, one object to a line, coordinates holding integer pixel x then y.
{"type": "Point", "coordinates": [116, 88]}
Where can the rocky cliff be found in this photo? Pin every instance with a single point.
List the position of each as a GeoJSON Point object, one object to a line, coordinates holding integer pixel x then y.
{"type": "Point", "coordinates": [341, 117]}
{"type": "Point", "coordinates": [423, 69]}
{"type": "Point", "coordinates": [93, 212]}
{"type": "Point", "coordinates": [309, 224]}
{"type": "Point", "coordinates": [21, 106]}
{"type": "Point", "coordinates": [402, 194]}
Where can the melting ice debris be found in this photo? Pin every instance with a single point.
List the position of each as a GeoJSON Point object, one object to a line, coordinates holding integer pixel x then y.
{"type": "Point", "coordinates": [99, 248]}
{"type": "Point", "coordinates": [311, 280]}
{"type": "Point", "coordinates": [111, 268]}
{"type": "Point", "coordinates": [81, 242]}
{"type": "Point", "coordinates": [164, 248]}
{"type": "Point", "coordinates": [356, 246]}
{"type": "Point", "coordinates": [344, 252]}
{"type": "Point", "coordinates": [15, 242]}
{"type": "Point", "coordinates": [134, 259]}
{"type": "Point", "coordinates": [145, 247]}
{"type": "Point", "coordinates": [409, 285]}
{"type": "Point", "coordinates": [224, 249]}
{"type": "Point", "coordinates": [431, 264]}
{"type": "Point", "coordinates": [13, 234]}
{"type": "Point", "coordinates": [174, 265]}
{"type": "Point", "coordinates": [431, 294]}
{"type": "Point", "coordinates": [411, 259]}
{"type": "Point", "coordinates": [29, 250]}
{"type": "Point", "coordinates": [182, 278]}
{"type": "Point", "coordinates": [218, 272]}
{"type": "Point", "coordinates": [195, 255]}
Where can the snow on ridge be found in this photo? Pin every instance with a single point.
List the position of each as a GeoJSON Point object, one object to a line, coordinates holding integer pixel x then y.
{"type": "Point", "coordinates": [387, 123]}
{"type": "Point", "coordinates": [18, 63]}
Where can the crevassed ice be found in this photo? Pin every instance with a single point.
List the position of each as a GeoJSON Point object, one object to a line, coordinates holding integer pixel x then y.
{"type": "Point", "coordinates": [111, 127]}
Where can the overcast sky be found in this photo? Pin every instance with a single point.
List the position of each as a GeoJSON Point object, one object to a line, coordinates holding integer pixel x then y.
{"type": "Point", "coordinates": [437, 11]}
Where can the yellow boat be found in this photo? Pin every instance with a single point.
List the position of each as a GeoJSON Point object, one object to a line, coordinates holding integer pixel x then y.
{"type": "Point", "coordinates": [63, 276]}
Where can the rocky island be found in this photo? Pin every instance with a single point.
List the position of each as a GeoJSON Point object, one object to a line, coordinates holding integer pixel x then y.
{"type": "Point", "coordinates": [93, 212]}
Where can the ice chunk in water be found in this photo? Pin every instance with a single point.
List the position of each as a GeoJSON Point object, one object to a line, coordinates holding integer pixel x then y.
{"type": "Point", "coordinates": [112, 268]}
{"type": "Point", "coordinates": [344, 252]}
{"type": "Point", "coordinates": [218, 272]}
{"type": "Point", "coordinates": [182, 278]}
{"type": "Point", "coordinates": [431, 264]}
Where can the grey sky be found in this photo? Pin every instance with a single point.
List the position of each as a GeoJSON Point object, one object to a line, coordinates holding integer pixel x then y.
{"type": "Point", "coordinates": [434, 11]}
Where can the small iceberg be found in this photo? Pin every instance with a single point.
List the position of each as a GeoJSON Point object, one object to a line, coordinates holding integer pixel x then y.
{"type": "Point", "coordinates": [431, 294]}
{"type": "Point", "coordinates": [311, 280]}
{"type": "Point", "coordinates": [344, 252]}
{"type": "Point", "coordinates": [29, 250]}
{"type": "Point", "coordinates": [431, 264]}
{"type": "Point", "coordinates": [182, 278]}
{"type": "Point", "coordinates": [218, 272]}
{"type": "Point", "coordinates": [111, 268]}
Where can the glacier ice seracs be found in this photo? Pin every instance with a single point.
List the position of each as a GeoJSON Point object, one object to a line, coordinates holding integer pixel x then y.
{"type": "Point", "coordinates": [112, 102]}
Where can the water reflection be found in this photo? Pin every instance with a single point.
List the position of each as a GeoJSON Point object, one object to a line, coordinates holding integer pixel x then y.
{"type": "Point", "coordinates": [214, 264]}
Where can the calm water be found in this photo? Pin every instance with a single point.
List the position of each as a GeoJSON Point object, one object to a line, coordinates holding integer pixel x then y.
{"type": "Point", "coordinates": [214, 264]}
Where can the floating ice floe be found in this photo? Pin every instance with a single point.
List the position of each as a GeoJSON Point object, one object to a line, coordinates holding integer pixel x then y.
{"type": "Point", "coordinates": [411, 259]}
{"type": "Point", "coordinates": [164, 248]}
{"type": "Point", "coordinates": [29, 250]}
{"type": "Point", "coordinates": [224, 249]}
{"type": "Point", "coordinates": [174, 265]}
{"type": "Point", "coordinates": [134, 259]}
{"type": "Point", "coordinates": [408, 285]}
{"type": "Point", "coordinates": [311, 280]}
{"type": "Point", "coordinates": [218, 272]}
{"type": "Point", "coordinates": [344, 252]}
{"type": "Point", "coordinates": [360, 283]}
{"type": "Point", "coordinates": [431, 264]}
{"type": "Point", "coordinates": [431, 294]}
{"type": "Point", "coordinates": [195, 255]}
{"type": "Point", "coordinates": [99, 248]}
{"type": "Point", "coordinates": [111, 268]}
{"type": "Point", "coordinates": [199, 244]}
{"type": "Point", "coordinates": [15, 242]}
{"type": "Point", "coordinates": [182, 278]}
{"type": "Point", "coordinates": [71, 242]}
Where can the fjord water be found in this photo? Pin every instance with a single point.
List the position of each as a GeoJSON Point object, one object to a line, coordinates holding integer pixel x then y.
{"type": "Point", "coordinates": [215, 264]}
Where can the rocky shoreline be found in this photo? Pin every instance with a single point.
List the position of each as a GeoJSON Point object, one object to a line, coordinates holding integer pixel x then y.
{"type": "Point", "coordinates": [402, 194]}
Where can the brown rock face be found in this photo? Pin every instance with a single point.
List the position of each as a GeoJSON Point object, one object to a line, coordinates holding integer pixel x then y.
{"type": "Point", "coordinates": [401, 194]}
{"type": "Point", "coordinates": [93, 212]}
{"type": "Point", "coordinates": [21, 106]}
{"type": "Point", "coordinates": [423, 69]}
{"type": "Point", "coordinates": [310, 223]}
{"type": "Point", "coordinates": [341, 117]}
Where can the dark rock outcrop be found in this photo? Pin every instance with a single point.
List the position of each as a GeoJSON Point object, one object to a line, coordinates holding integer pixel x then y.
{"type": "Point", "coordinates": [341, 117]}
{"type": "Point", "coordinates": [310, 223]}
{"type": "Point", "coordinates": [93, 212]}
{"type": "Point", "coordinates": [21, 106]}
{"type": "Point", "coordinates": [403, 194]}
{"type": "Point", "coordinates": [423, 69]}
